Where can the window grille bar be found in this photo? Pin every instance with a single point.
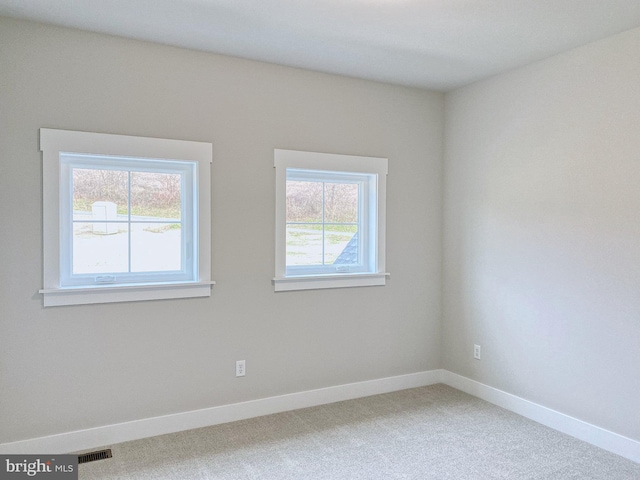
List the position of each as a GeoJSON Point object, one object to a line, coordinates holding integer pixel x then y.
{"type": "Point", "coordinates": [125, 221]}
{"type": "Point", "coordinates": [320, 223]}
{"type": "Point", "coordinates": [129, 220]}
{"type": "Point", "coordinates": [323, 224]}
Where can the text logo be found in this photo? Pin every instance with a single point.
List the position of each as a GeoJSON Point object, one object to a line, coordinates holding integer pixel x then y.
{"type": "Point", "coordinates": [53, 467]}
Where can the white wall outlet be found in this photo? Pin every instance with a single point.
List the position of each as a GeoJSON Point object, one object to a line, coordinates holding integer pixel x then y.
{"type": "Point", "coordinates": [241, 368]}
{"type": "Point", "coordinates": [477, 352]}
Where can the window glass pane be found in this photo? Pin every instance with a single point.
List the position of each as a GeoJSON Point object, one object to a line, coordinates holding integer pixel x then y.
{"type": "Point", "coordinates": [155, 195]}
{"type": "Point", "coordinates": [341, 244]}
{"type": "Point", "coordinates": [304, 244]}
{"type": "Point", "coordinates": [107, 188]}
{"type": "Point", "coordinates": [341, 202]}
{"type": "Point", "coordinates": [100, 247]}
{"type": "Point", "coordinates": [304, 201]}
{"type": "Point", "coordinates": [156, 247]}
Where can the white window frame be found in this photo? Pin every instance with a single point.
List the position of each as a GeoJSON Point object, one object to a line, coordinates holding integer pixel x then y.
{"type": "Point", "coordinates": [64, 149]}
{"type": "Point", "coordinates": [371, 174]}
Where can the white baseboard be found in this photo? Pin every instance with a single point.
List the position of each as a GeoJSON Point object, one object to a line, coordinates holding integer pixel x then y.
{"type": "Point", "coordinates": [150, 427]}
{"type": "Point", "coordinates": [623, 446]}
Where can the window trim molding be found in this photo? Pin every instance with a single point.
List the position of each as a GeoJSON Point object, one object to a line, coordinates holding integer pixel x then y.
{"type": "Point", "coordinates": [52, 143]}
{"type": "Point", "coordinates": [294, 159]}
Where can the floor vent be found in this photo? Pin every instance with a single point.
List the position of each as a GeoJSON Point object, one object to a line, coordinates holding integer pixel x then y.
{"type": "Point", "coordinates": [93, 456]}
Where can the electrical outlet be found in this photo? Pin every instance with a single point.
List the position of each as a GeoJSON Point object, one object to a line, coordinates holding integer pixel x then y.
{"type": "Point", "coordinates": [476, 352]}
{"type": "Point", "coordinates": [241, 368]}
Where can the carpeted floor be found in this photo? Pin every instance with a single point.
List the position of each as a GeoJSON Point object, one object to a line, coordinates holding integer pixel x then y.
{"type": "Point", "coordinates": [433, 432]}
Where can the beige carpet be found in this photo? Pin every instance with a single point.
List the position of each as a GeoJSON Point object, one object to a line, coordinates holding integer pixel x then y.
{"type": "Point", "coordinates": [433, 432]}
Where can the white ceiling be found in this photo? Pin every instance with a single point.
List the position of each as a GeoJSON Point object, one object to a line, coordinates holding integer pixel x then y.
{"type": "Point", "coordinates": [438, 44]}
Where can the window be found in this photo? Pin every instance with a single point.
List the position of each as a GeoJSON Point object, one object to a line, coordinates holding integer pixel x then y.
{"type": "Point", "coordinates": [125, 218]}
{"type": "Point", "coordinates": [330, 220]}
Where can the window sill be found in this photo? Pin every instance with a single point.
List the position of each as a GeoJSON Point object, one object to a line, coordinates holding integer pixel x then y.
{"type": "Point", "coordinates": [329, 281]}
{"type": "Point", "coordinates": [124, 293]}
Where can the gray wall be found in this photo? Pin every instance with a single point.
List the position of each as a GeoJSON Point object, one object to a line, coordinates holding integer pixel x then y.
{"type": "Point", "coordinates": [542, 232]}
{"type": "Point", "coordinates": [69, 368]}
